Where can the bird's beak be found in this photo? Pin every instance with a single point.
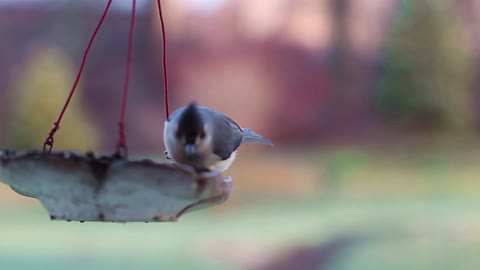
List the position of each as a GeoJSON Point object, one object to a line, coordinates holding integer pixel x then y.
{"type": "Point", "coordinates": [191, 150]}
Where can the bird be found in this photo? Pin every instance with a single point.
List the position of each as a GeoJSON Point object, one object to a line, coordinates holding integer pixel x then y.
{"type": "Point", "coordinates": [205, 139]}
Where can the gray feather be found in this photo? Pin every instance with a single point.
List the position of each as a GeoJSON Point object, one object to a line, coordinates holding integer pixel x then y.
{"type": "Point", "coordinates": [251, 137]}
{"type": "Point", "coordinates": [226, 130]}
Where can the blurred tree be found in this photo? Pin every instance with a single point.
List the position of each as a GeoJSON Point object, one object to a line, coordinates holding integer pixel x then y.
{"type": "Point", "coordinates": [340, 57]}
{"type": "Point", "coordinates": [340, 39]}
{"type": "Point", "coordinates": [427, 69]}
{"type": "Point", "coordinates": [38, 95]}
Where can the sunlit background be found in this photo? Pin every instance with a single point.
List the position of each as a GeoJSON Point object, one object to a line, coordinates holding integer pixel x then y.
{"type": "Point", "coordinates": [371, 105]}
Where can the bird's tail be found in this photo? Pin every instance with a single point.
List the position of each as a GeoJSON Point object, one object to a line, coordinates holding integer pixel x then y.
{"type": "Point", "coordinates": [251, 137]}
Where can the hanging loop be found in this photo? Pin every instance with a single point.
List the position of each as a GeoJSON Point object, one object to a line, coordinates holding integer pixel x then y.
{"type": "Point", "coordinates": [48, 144]}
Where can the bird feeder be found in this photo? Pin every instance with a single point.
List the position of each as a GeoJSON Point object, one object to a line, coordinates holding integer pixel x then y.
{"type": "Point", "coordinates": [85, 187]}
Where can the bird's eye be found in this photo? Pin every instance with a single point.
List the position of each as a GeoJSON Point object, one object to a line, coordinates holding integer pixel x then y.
{"type": "Point", "coordinates": [202, 135]}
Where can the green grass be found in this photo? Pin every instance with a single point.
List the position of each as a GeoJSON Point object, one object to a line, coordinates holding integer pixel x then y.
{"type": "Point", "coordinates": [409, 212]}
{"type": "Point", "coordinates": [407, 235]}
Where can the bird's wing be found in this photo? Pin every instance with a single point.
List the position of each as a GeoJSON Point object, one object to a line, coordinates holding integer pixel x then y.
{"type": "Point", "coordinates": [227, 132]}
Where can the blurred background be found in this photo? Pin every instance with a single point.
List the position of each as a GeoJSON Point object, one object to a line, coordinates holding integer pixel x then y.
{"type": "Point", "coordinates": [372, 106]}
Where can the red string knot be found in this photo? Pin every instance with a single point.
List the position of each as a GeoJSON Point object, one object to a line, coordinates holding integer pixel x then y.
{"type": "Point", "coordinates": [48, 144]}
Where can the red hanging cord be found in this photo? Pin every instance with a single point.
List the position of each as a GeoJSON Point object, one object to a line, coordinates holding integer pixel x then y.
{"type": "Point", "coordinates": [122, 142]}
{"type": "Point", "coordinates": [48, 144]}
{"type": "Point", "coordinates": [164, 43]}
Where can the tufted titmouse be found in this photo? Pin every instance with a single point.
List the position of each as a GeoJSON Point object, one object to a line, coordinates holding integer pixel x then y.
{"type": "Point", "coordinates": [205, 139]}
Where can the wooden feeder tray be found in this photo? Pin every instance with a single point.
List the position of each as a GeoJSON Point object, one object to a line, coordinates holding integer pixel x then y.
{"type": "Point", "coordinates": [82, 187]}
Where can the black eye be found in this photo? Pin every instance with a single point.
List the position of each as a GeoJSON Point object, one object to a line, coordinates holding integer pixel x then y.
{"type": "Point", "coordinates": [202, 135]}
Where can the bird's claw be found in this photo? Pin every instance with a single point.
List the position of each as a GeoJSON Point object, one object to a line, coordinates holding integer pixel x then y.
{"type": "Point", "coordinates": [166, 153]}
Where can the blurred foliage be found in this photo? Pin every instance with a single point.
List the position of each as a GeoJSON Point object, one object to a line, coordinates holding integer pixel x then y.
{"type": "Point", "coordinates": [37, 97]}
{"type": "Point", "coordinates": [426, 76]}
{"type": "Point", "coordinates": [384, 199]}
{"type": "Point", "coordinates": [343, 162]}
